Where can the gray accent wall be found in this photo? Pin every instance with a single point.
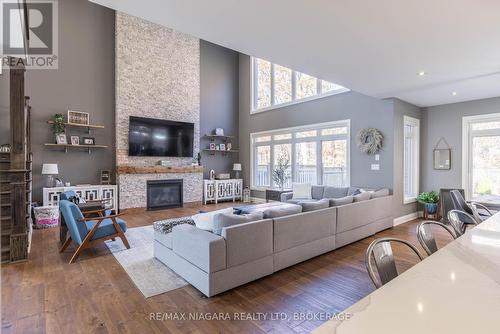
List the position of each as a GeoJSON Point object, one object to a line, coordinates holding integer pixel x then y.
{"type": "Point", "coordinates": [401, 109]}
{"type": "Point", "coordinates": [219, 102]}
{"type": "Point", "coordinates": [4, 107]}
{"type": "Point", "coordinates": [84, 81]}
{"type": "Point", "coordinates": [363, 111]}
{"type": "Point", "coordinates": [446, 120]}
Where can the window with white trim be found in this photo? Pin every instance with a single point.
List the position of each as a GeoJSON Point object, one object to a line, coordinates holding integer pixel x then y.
{"type": "Point", "coordinates": [276, 86]}
{"type": "Point", "coordinates": [411, 158]}
{"type": "Point", "coordinates": [316, 154]}
{"type": "Point", "coordinates": [481, 155]}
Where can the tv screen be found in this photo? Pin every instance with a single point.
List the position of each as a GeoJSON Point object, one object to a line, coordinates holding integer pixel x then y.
{"type": "Point", "coordinates": [159, 138]}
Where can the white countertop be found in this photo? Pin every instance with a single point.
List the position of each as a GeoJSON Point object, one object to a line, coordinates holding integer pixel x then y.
{"type": "Point", "coordinates": [455, 290]}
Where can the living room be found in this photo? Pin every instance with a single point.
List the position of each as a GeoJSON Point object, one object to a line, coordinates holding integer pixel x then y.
{"type": "Point", "coordinates": [163, 173]}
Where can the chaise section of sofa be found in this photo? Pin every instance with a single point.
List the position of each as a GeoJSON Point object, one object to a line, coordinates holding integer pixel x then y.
{"type": "Point", "coordinates": [214, 263]}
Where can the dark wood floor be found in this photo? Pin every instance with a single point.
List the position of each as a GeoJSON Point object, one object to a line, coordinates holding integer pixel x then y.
{"type": "Point", "coordinates": [95, 295]}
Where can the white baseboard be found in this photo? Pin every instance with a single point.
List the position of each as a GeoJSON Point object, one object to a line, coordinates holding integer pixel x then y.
{"type": "Point", "coordinates": [406, 218]}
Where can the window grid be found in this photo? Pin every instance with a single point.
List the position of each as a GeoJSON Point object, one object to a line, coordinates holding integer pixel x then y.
{"type": "Point", "coordinates": [336, 174]}
{"type": "Point", "coordinates": [294, 82]}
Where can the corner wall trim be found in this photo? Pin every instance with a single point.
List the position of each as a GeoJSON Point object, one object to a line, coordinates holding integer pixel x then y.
{"type": "Point", "coordinates": [406, 218]}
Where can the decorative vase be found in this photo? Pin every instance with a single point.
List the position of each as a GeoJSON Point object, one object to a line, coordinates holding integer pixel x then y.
{"type": "Point", "coordinates": [431, 208]}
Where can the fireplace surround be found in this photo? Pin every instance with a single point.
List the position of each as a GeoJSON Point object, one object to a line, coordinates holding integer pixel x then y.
{"type": "Point", "coordinates": [164, 194]}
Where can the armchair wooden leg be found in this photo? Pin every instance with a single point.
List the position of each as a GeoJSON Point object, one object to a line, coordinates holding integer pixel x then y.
{"type": "Point", "coordinates": [124, 240]}
{"type": "Point", "coordinates": [77, 253]}
{"type": "Point", "coordinates": [65, 245]}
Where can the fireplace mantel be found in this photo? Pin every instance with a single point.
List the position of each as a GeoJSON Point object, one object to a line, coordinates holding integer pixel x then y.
{"type": "Point", "coordinates": [128, 169]}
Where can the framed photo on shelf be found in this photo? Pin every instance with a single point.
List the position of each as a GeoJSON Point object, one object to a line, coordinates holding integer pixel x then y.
{"type": "Point", "coordinates": [105, 176]}
{"type": "Point", "coordinates": [88, 140]}
{"type": "Point", "coordinates": [212, 146]}
{"type": "Point", "coordinates": [78, 117]}
{"type": "Point", "coordinates": [61, 139]}
{"type": "Point", "coordinates": [222, 147]}
{"type": "Point", "coordinates": [75, 140]}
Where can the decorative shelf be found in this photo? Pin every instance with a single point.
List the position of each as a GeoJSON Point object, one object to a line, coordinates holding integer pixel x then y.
{"type": "Point", "coordinates": [220, 151]}
{"type": "Point", "coordinates": [212, 137]}
{"type": "Point", "coordinates": [90, 126]}
{"type": "Point", "coordinates": [126, 169]}
{"type": "Point", "coordinates": [66, 146]}
{"type": "Point", "coordinates": [83, 126]}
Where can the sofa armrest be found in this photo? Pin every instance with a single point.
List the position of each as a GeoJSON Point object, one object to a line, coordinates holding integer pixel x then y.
{"type": "Point", "coordinates": [203, 249]}
{"type": "Point", "coordinates": [286, 196]}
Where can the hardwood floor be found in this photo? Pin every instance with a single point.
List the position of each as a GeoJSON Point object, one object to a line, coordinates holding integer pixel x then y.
{"type": "Point", "coordinates": [95, 295]}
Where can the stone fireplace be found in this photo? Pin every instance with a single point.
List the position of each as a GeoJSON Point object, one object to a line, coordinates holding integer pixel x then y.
{"type": "Point", "coordinates": [164, 194]}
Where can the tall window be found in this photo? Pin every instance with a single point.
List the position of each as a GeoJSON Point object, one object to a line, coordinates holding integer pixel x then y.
{"type": "Point", "coordinates": [411, 158]}
{"type": "Point", "coordinates": [317, 154]}
{"type": "Point", "coordinates": [481, 155]}
{"type": "Point", "coordinates": [276, 86]}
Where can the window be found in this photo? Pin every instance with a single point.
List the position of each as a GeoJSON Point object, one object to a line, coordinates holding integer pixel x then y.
{"type": "Point", "coordinates": [411, 158]}
{"type": "Point", "coordinates": [481, 155]}
{"type": "Point", "coordinates": [316, 154]}
{"type": "Point", "coordinates": [276, 86]}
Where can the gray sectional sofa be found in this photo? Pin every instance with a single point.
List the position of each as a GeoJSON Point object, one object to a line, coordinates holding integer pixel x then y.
{"type": "Point", "coordinates": [245, 252]}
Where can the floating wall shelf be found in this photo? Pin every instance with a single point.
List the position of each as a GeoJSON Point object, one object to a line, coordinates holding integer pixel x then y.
{"type": "Point", "coordinates": [66, 146]}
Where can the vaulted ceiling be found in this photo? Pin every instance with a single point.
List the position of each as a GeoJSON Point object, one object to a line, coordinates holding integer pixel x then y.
{"type": "Point", "coordinates": [377, 47]}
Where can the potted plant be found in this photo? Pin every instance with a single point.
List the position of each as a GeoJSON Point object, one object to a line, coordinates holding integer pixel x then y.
{"type": "Point", "coordinates": [281, 173]}
{"type": "Point", "coordinates": [430, 201]}
{"type": "Point", "coordinates": [58, 126]}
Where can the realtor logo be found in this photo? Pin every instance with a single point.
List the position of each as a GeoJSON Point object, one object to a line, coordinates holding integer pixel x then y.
{"type": "Point", "coordinates": [33, 44]}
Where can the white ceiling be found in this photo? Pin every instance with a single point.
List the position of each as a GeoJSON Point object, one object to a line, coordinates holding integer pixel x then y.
{"type": "Point", "coordinates": [373, 47]}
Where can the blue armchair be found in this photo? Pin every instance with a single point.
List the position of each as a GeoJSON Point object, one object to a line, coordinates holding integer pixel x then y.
{"type": "Point", "coordinates": [86, 232]}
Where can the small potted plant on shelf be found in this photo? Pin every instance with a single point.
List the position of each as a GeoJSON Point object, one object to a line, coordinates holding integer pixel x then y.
{"type": "Point", "coordinates": [430, 201]}
{"type": "Point", "coordinates": [58, 126]}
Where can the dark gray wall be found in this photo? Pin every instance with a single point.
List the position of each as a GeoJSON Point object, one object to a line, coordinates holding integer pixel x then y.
{"type": "Point", "coordinates": [401, 109]}
{"type": "Point", "coordinates": [218, 101]}
{"type": "Point", "coordinates": [363, 111]}
{"type": "Point", "coordinates": [446, 121]}
{"type": "Point", "coordinates": [84, 81]}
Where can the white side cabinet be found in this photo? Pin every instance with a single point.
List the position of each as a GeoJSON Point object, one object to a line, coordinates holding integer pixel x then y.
{"type": "Point", "coordinates": [222, 190]}
{"type": "Point", "coordinates": [51, 195]}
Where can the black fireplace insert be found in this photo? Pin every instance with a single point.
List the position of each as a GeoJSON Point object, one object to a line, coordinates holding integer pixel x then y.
{"type": "Point", "coordinates": [164, 194]}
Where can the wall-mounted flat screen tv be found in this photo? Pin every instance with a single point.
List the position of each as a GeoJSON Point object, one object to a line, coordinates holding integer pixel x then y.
{"type": "Point", "coordinates": [151, 137]}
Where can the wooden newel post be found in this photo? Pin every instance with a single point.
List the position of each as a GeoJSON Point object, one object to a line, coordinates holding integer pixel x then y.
{"type": "Point", "coordinates": [18, 158]}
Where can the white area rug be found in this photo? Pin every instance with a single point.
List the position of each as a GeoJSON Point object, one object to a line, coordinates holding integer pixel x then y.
{"type": "Point", "coordinates": [149, 275]}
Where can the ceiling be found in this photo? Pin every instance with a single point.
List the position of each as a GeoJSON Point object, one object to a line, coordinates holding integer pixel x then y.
{"type": "Point", "coordinates": [373, 47]}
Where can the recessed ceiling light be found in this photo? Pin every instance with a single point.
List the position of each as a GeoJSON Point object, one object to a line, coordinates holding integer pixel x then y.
{"type": "Point", "coordinates": [421, 73]}
{"type": "Point", "coordinates": [454, 93]}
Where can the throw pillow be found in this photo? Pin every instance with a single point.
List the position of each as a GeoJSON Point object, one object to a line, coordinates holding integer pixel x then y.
{"type": "Point", "coordinates": [205, 221]}
{"type": "Point", "coordinates": [380, 193]}
{"type": "Point", "coordinates": [341, 201]}
{"type": "Point", "coordinates": [222, 220]}
{"type": "Point", "coordinates": [335, 192]}
{"type": "Point", "coordinates": [302, 190]}
{"type": "Point", "coordinates": [353, 191]}
{"type": "Point", "coordinates": [362, 197]}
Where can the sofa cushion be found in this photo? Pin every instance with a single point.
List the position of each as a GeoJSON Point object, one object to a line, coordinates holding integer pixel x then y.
{"type": "Point", "coordinates": [248, 242]}
{"type": "Point", "coordinates": [295, 230]}
{"type": "Point", "coordinates": [296, 201]}
{"type": "Point", "coordinates": [281, 211]}
{"type": "Point", "coordinates": [335, 192]}
{"type": "Point", "coordinates": [353, 191]}
{"type": "Point", "coordinates": [317, 192]}
{"type": "Point", "coordinates": [380, 193]}
{"type": "Point", "coordinates": [222, 220]}
{"type": "Point", "coordinates": [205, 221]}
{"type": "Point", "coordinates": [341, 201]}
{"type": "Point", "coordinates": [312, 204]}
{"type": "Point", "coordinates": [302, 190]}
{"type": "Point", "coordinates": [362, 197]}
